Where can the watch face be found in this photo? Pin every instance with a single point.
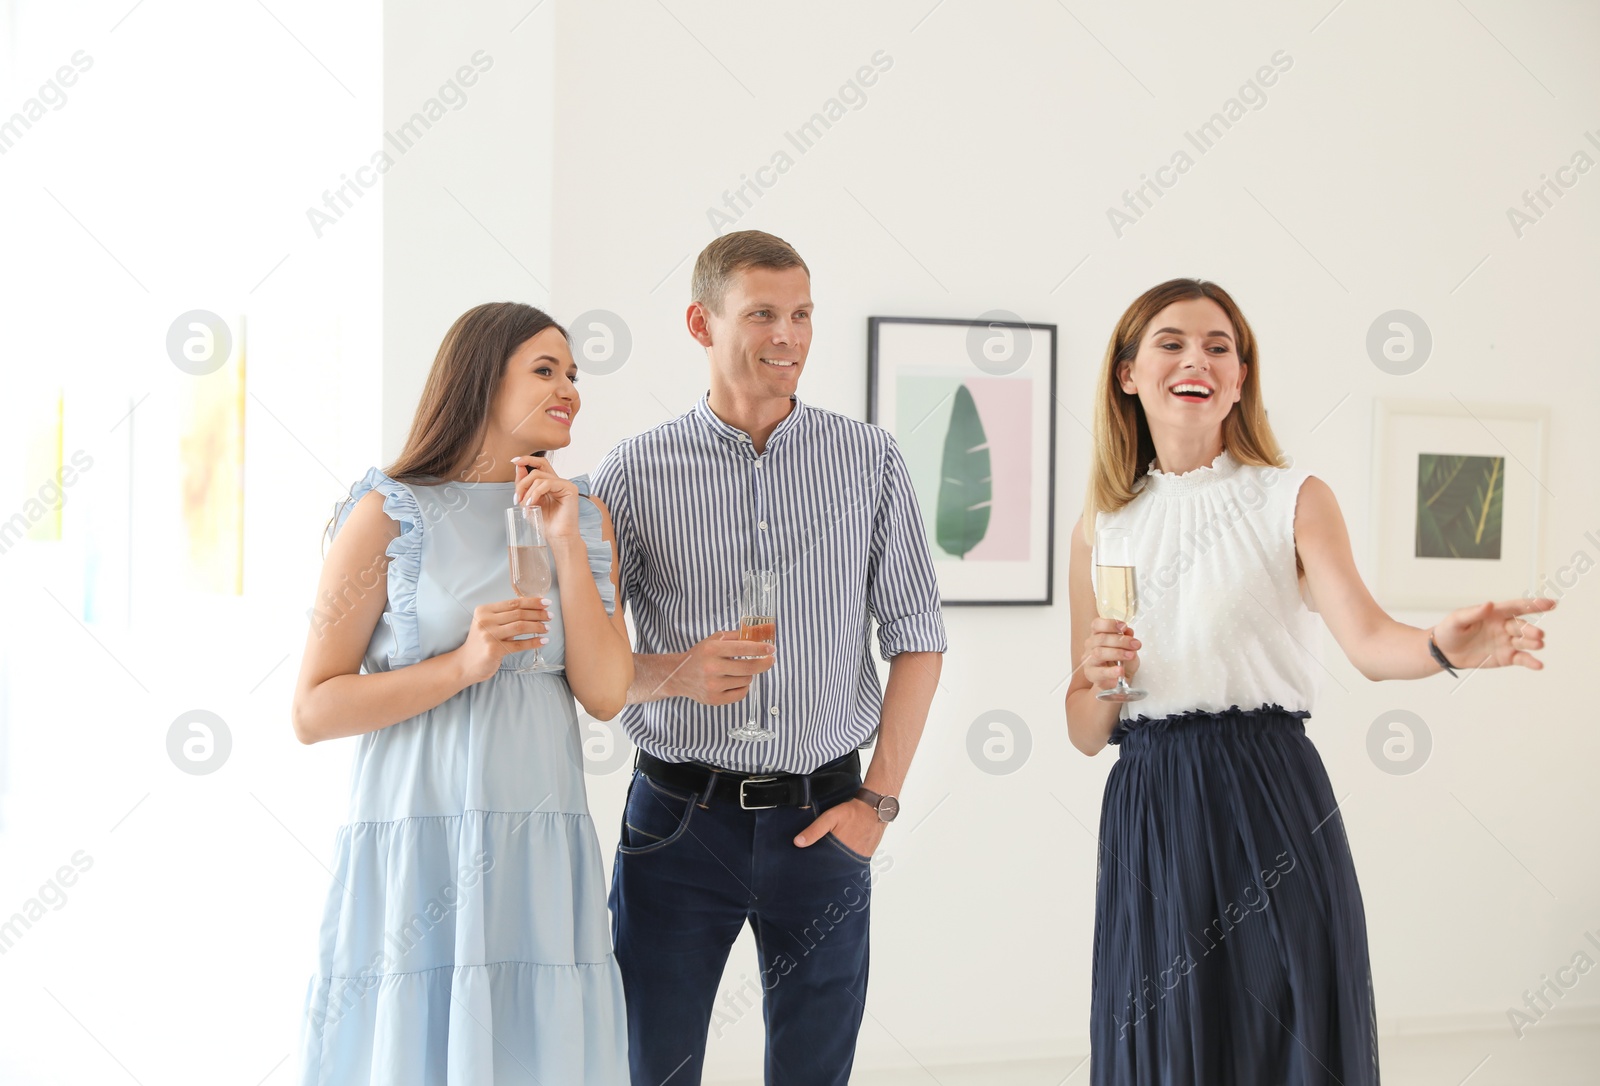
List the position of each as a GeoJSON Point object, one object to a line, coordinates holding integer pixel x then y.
{"type": "Point", "coordinates": [888, 807]}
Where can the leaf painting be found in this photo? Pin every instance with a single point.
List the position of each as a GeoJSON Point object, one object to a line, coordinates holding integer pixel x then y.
{"type": "Point", "coordinates": [1459, 503]}
{"type": "Point", "coordinates": [965, 493]}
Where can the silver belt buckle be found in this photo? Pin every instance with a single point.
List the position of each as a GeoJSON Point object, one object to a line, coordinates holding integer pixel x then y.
{"type": "Point", "coordinates": [758, 780]}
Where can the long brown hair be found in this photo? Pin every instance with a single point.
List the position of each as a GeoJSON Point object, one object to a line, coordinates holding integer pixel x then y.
{"type": "Point", "coordinates": [1123, 447]}
{"type": "Point", "coordinates": [453, 413]}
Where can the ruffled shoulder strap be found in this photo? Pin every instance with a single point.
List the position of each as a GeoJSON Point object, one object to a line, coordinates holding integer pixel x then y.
{"type": "Point", "coordinates": [591, 527]}
{"type": "Point", "coordinates": [405, 559]}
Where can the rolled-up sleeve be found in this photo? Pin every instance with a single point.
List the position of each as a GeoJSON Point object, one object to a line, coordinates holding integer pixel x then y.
{"type": "Point", "coordinates": [902, 588]}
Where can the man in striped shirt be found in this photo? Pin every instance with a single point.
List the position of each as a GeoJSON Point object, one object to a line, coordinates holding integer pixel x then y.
{"type": "Point", "coordinates": [778, 830]}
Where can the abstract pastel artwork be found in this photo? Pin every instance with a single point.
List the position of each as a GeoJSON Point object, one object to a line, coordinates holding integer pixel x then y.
{"type": "Point", "coordinates": [43, 463]}
{"type": "Point", "coordinates": [211, 447]}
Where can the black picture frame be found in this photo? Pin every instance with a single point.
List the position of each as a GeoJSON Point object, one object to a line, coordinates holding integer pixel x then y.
{"type": "Point", "coordinates": [959, 354]}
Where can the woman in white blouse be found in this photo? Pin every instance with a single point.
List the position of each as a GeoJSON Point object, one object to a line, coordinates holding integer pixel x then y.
{"type": "Point", "coordinates": [1230, 940]}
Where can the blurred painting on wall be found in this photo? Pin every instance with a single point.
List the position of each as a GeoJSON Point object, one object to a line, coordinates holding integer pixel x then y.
{"type": "Point", "coordinates": [43, 459]}
{"type": "Point", "coordinates": [211, 444]}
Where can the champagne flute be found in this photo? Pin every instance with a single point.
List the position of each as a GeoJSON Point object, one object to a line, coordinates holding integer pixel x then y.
{"type": "Point", "coordinates": [530, 567]}
{"type": "Point", "coordinates": [1116, 594]}
{"type": "Point", "coordinates": [758, 621]}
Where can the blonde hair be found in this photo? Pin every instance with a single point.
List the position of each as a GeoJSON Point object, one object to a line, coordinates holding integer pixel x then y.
{"type": "Point", "coordinates": [1123, 447]}
{"type": "Point", "coordinates": [732, 253]}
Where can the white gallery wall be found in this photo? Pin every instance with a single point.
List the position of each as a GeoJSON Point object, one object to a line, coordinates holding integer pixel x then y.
{"type": "Point", "coordinates": [1025, 155]}
{"type": "Point", "coordinates": [184, 168]}
{"type": "Point", "coordinates": [978, 173]}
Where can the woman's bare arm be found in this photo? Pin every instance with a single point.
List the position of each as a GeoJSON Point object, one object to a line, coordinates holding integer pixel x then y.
{"type": "Point", "coordinates": [332, 699]}
{"type": "Point", "coordinates": [1482, 635]}
{"type": "Point", "coordinates": [599, 657]}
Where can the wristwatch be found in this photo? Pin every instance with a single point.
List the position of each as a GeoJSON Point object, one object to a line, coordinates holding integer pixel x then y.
{"type": "Point", "coordinates": [886, 806]}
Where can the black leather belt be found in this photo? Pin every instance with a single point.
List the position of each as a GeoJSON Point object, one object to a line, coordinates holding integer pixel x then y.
{"type": "Point", "coordinates": [753, 791]}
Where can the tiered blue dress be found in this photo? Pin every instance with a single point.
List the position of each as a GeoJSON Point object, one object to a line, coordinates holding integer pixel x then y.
{"type": "Point", "coordinates": [466, 940]}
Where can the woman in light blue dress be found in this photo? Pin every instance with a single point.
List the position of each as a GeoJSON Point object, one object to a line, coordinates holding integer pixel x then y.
{"type": "Point", "coordinates": [466, 940]}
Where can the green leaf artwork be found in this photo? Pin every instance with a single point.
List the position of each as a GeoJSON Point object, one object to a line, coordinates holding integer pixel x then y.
{"type": "Point", "coordinates": [964, 490]}
{"type": "Point", "coordinates": [1459, 500]}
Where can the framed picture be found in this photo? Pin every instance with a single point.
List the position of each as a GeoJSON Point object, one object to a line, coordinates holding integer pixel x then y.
{"type": "Point", "coordinates": [970, 403]}
{"type": "Point", "coordinates": [1459, 495]}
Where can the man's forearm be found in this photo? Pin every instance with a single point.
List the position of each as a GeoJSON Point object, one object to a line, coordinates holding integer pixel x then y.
{"type": "Point", "coordinates": [913, 678]}
{"type": "Point", "coordinates": [653, 674]}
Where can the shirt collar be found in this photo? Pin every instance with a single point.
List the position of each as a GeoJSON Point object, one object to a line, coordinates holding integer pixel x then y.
{"type": "Point", "coordinates": [737, 436]}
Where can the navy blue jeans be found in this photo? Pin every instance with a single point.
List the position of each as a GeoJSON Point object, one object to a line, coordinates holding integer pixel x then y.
{"type": "Point", "coordinates": [690, 873]}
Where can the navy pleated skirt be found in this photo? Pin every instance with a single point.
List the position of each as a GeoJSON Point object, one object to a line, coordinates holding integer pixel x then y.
{"type": "Point", "coordinates": [1230, 945]}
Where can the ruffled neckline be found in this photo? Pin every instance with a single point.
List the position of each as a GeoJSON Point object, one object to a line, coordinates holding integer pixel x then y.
{"type": "Point", "coordinates": [1157, 481]}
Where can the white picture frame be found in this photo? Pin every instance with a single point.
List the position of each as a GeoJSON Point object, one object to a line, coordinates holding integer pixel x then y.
{"type": "Point", "coordinates": [1511, 443]}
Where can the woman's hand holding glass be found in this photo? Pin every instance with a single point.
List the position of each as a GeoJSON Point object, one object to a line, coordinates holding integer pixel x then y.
{"type": "Point", "coordinates": [1116, 598]}
{"type": "Point", "coordinates": [557, 498]}
{"type": "Point", "coordinates": [494, 625]}
{"type": "Point", "coordinates": [1109, 653]}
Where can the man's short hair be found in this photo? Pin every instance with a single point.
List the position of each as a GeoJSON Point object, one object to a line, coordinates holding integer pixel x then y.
{"type": "Point", "coordinates": [730, 254]}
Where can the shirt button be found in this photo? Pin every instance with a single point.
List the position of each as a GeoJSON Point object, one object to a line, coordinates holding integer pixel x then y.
{"type": "Point", "coordinates": [763, 526]}
{"type": "Point", "coordinates": [773, 710]}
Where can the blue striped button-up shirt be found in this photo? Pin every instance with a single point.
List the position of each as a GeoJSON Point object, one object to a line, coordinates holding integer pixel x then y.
{"type": "Point", "coordinates": [829, 506]}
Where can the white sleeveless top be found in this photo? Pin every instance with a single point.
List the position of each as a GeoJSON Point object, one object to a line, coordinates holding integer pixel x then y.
{"type": "Point", "coordinates": [1220, 619]}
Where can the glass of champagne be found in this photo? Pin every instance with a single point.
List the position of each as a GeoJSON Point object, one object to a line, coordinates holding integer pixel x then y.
{"type": "Point", "coordinates": [1115, 594]}
{"type": "Point", "coordinates": [758, 621]}
{"type": "Point", "coordinates": [530, 567]}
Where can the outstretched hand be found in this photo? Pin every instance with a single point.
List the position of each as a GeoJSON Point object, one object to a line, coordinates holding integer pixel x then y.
{"type": "Point", "coordinates": [1493, 634]}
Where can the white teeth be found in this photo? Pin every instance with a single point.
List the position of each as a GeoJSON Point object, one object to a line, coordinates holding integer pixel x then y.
{"type": "Point", "coordinates": [782, 363]}
{"type": "Point", "coordinates": [1202, 389]}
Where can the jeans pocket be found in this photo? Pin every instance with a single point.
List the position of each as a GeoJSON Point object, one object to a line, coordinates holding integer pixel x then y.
{"type": "Point", "coordinates": [653, 817]}
{"type": "Point", "coordinates": [834, 799]}
{"type": "Point", "coordinates": [847, 850]}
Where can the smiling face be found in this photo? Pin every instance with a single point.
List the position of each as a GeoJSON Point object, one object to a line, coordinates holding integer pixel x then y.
{"type": "Point", "coordinates": [1187, 373]}
{"type": "Point", "coordinates": [538, 396]}
{"type": "Point", "coordinates": [758, 343]}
